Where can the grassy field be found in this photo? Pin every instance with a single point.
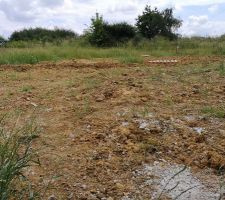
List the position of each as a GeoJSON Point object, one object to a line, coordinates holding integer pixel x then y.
{"type": "Point", "coordinates": [31, 53]}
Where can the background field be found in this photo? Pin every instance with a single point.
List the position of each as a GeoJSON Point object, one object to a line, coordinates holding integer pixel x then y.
{"type": "Point", "coordinates": [34, 52]}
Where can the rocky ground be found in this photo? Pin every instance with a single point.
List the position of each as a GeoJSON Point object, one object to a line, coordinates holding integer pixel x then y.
{"type": "Point", "coordinates": [115, 131]}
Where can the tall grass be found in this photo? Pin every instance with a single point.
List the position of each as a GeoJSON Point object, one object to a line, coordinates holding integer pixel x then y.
{"type": "Point", "coordinates": [34, 52]}
{"type": "Point", "coordinates": [53, 53]}
{"type": "Point", "coordinates": [16, 154]}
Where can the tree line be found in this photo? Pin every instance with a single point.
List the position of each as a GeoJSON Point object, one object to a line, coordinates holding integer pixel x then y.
{"type": "Point", "coordinates": [151, 23]}
{"type": "Point", "coordinates": [41, 34]}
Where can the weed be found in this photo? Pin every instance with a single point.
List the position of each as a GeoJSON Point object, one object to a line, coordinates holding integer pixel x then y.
{"type": "Point", "coordinates": [157, 76]}
{"type": "Point", "coordinates": [12, 76]}
{"type": "Point", "coordinates": [149, 146]}
{"type": "Point", "coordinates": [131, 59]}
{"type": "Point", "coordinates": [83, 110]}
{"type": "Point", "coordinates": [222, 69]}
{"type": "Point", "coordinates": [27, 88]}
{"type": "Point", "coordinates": [92, 83]}
{"type": "Point", "coordinates": [16, 154]}
{"type": "Point", "coordinates": [169, 100]}
{"type": "Point", "coordinates": [214, 112]}
{"type": "Point", "coordinates": [146, 111]}
{"type": "Point", "coordinates": [70, 83]}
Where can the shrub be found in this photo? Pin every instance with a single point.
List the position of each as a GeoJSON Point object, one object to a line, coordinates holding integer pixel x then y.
{"type": "Point", "coordinates": [42, 34]}
{"type": "Point", "coordinates": [120, 32]}
{"type": "Point", "coordinates": [103, 34]}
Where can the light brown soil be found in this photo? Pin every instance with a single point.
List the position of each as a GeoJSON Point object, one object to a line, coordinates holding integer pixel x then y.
{"type": "Point", "coordinates": [100, 121]}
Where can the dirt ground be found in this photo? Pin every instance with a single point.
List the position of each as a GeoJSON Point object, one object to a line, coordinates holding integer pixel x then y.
{"type": "Point", "coordinates": [101, 121]}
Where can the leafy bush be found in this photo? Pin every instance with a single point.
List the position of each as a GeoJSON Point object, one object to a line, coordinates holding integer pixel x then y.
{"type": "Point", "coordinates": [119, 32]}
{"type": "Point", "coordinates": [16, 154]}
{"type": "Point", "coordinates": [103, 34]}
{"type": "Point", "coordinates": [42, 34]}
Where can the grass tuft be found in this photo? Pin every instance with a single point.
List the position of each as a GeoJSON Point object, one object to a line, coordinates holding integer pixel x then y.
{"type": "Point", "coordinates": [222, 69]}
{"type": "Point", "coordinates": [214, 112]}
{"type": "Point", "coordinates": [16, 154]}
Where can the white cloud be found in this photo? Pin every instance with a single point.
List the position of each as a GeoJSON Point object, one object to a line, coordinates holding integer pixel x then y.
{"type": "Point", "coordinates": [125, 9]}
{"type": "Point", "coordinates": [18, 11]}
{"type": "Point", "coordinates": [201, 25]}
{"type": "Point", "coordinates": [214, 8]}
{"type": "Point", "coordinates": [198, 20]}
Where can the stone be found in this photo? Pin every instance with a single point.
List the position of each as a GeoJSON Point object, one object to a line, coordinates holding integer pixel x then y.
{"type": "Point", "coordinates": [34, 104]}
{"type": "Point", "coordinates": [100, 98]}
{"type": "Point", "coordinates": [52, 197]}
{"type": "Point", "coordinates": [222, 133]}
{"type": "Point", "coordinates": [110, 198]}
{"type": "Point", "coordinates": [70, 196]}
{"type": "Point", "coordinates": [72, 136]}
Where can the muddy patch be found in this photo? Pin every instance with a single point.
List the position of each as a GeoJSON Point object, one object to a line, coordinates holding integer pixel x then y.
{"type": "Point", "coordinates": [174, 181]}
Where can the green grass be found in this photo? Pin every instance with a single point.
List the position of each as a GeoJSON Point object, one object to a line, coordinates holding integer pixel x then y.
{"type": "Point", "coordinates": [54, 53]}
{"type": "Point", "coordinates": [27, 88]}
{"type": "Point", "coordinates": [214, 112]}
{"type": "Point", "coordinates": [16, 155]}
{"type": "Point", "coordinates": [31, 53]}
{"type": "Point", "coordinates": [222, 69]}
{"type": "Point", "coordinates": [83, 110]}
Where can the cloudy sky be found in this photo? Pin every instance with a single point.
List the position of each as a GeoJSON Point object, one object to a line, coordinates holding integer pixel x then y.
{"type": "Point", "coordinates": [200, 17]}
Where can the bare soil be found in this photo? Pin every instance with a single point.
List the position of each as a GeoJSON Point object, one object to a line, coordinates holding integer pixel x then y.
{"type": "Point", "coordinates": [101, 121]}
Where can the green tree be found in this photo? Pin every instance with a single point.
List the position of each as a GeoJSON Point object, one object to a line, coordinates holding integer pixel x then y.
{"type": "Point", "coordinates": [153, 22]}
{"type": "Point", "coordinates": [97, 34]}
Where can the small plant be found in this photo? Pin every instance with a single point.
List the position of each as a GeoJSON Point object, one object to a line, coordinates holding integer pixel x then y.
{"type": "Point", "coordinates": [27, 88]}
{"type": "Point", "coordinates": [214, 112]}
{"type": "Point", "coordinates": [82, 111]}
{"type": "Point", "coordinates": [220, 173]}
{"type": "Point", "coordinates": [149, 146]}
{"type": "Point", "coordinates": [12, 76]}
{"type": "Point", "coordinates": [222, 69]}
{"type": "Point", "coordinates": [16, 154]}
{"type": "Point", "coordinates": [131, 59]}
{"type": "Point", "coordinates": [92, 83]}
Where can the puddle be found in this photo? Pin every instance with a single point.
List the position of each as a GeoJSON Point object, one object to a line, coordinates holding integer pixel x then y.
{"type": "Point", "coordinates": [183, 186]}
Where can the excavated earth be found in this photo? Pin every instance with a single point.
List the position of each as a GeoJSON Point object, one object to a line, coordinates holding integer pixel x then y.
{"type": "Point", "coordinates": [116, 131]}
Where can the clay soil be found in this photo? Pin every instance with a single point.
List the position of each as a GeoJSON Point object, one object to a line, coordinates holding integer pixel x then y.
{"type": "Point", "coordinates": [101, 120]}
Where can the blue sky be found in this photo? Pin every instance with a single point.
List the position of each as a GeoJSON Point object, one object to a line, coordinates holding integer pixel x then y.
{"type": "Point", "coordinates": [200, 17]}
